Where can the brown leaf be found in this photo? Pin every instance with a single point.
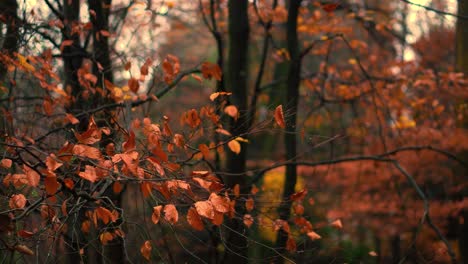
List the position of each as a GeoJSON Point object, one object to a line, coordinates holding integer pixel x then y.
{"type": "Point", "coordinates": [146, 250]}
{"type": "Point", "coordinates": [156, 214]}
{"type": "Point", "coordinates": [194, 219]}
{"type": "Point", "coordinates": [133, 85]}
{"type": "Point", "coordinates": [279, 117]}
{"type": "Point", "coordinates": [171, 214]}
{"type": "Point", "coordinates": [24, 249]}
{"type": "Point", "coordinates": [204, 150]}
{"type": "Point", "coordinates": [291, 245]}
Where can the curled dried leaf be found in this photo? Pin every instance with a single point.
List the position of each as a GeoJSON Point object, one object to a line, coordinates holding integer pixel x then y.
{"type": "Point", "coordinates": [279, 116]}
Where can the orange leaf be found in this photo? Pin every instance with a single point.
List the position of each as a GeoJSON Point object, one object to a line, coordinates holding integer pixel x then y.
{"type": "Point", "coordinates": [204, 184]}
{"type": "Point", "coordinates": [156, 214]}
{"type": "Point", "coordinates": [86, 151]}
{"type": "Point", "coordinates": [279, 117]}
{"type": "Point", "coordinates": [171, 214]}
{"type": "Point", "coordinates": [219, 203]}
{"type": "Point", "coordinates": [313, 236]}
{"type": "Point", "coordinates": [69, 183]}
{"type": "Point", "coordinates": [52, 163]}
{"type": "Point", "coordinates": [249, 204]}
{"type": "Point", "coordinates": [373, 254]}
{"type": "Point", "coordinates": [211, 70]}
{"type": "Point", "coordinates": [51, 185]}
{"type": "Point", "coordinates": [205, 209]}
{"type": "Point", "coordinates": [146, 250]}
{"type": "Point", "coordinates": [72, 119]}
{"type": "Point", "coordinates": [337, 224]}
{"type": "Point", "coordinates": [232, 111]}
{"type": "Point", "coordinates": [204, 150]}
{"type": "Point", "coordinates": [24, 249]}
{"type": "Point", "coordinates": [299, 209]}
{"type": "Point", "coordinates": [17, 201]}
{"type": "Point", "coordinates": [6, 163]}
{"type": "Point", "coordinates": [194, 219]}
{"type": "Point", "coordinates": [291, 245]}
{"type": "Point", "coordinates": [236, 190]}
{"type": "Point", "coordinates": [248, 220]}
{"type": "Point", "coordinates": [254, 189]}
{"type": "Point", "coordinates": [106, 237]}
{"type": "Point", "coordinates": [234, 146]}
{"type": "Point", "coordinates": [89, 174]}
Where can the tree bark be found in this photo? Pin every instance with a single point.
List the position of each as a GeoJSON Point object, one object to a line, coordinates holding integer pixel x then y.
{"type": "Point", "coordinates": [290, 104]}
{"type": "Point", "coordinates": [237, 75]}
{"type": "Point", "coordinates": [8, 11]}
{"type": "Point", "coordinates": [462, 66]}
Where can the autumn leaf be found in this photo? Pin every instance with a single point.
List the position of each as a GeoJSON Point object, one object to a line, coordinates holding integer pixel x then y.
{"type": "Point", "coordinates": [133, 84]}
{"type": "Point", "coordinates": [6, 163]}
{"type": "Point", "coordinates": [86, 151]}
{"type": "Point", "coordinates": [291, 245]}
{"type": "Point", "coordinates": [330, 7]}
{"type": "Point", "coordinates": [220, 204]}
{"type": "Point", "coordinates": [249, 204]}
{"type": "Point", "coordinates": [156, 214]}
{"type": "Point", "coordinates": [232, 111]}
{"type": "Point", "coordinates": [248, 220]}
{"type": "Point", "coordinates": [24, 250]}
{"type": "Point", "coordinates": [337, 224]}
{"type": "Point", "coordinates": [170, 214]}
{"type": "Point", "coordinates": [205, 209]}
{"type": "Point", "coordinates": [72, 119]}
{"type": "Point", "coordinates": [298, 196]}
{"type": "Point", "coordinates": [17, 201]}
{"type": "Point", "coordinates": [52, 163]}
{"type": "Point", "coordinates": [204, 150]}
{"type": "Point", "coordinates": [236, 190]}
{"type": "Point", "coordinates": [194, 219]}
{"type": "Point", "coordinates": [373, 254]}
{"type": "Point", "coordinates": [105, 237]}
{"type": "Point", "coordinates": [89, 173]}
{"type": "Point", "coordinates": [25, 234]}
{"type": "Point", "coordinates": [210, 70]}
{"type": "Point", "coordinates": [299, 209]}
{"type": "Point", "coordinates": [279, 117]}
{"type": "Point", "coordinates": [51, 185]}
{"type": "Point", "coordinates": [146, 250]}
{"type": "Point", "coordinates": [234, 146]}
{"type": "Point", "coordinates": [313, 236]}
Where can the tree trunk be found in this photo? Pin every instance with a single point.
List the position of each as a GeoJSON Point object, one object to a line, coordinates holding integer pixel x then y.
{"type": "Point", "coordinates": [237, 74]}
{"type": "Point", "coordinates": [8, 9]}
{"type": "Point", "coordinates": [462, 37]}
{"type": "Point", "coordinates": [290, 104]}
{"type": "Point", "coordinates": [462, 66]}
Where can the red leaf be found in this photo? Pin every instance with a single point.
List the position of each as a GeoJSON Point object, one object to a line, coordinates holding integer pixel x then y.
{"type": "Point", "coordinates": [279, 117]}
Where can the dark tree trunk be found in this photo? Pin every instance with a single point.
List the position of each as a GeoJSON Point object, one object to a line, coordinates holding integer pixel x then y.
{"type": "Point", "coordinates": [462, 66]}
{"type": "Point", "coordinates": [237, 74]}
{"type": "Point", "coordinates": [8, 9]}
{"type": "Point", "coordinates": [290, 106]}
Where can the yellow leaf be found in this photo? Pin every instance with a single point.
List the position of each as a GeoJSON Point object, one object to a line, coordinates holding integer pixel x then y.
{"type": "Point", "coordinates": [234, 146]}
